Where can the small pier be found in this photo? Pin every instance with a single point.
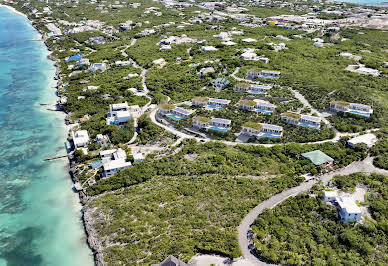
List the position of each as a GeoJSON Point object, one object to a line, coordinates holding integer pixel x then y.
{"type": "Point", "coordinates": [56, 157]}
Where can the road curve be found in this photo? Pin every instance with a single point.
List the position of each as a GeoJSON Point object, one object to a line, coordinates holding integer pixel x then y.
{"type": "Point", "coordinates": [365, 166]}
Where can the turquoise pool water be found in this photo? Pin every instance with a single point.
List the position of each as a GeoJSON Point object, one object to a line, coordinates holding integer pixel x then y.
{"type": "Point", "coordinates": [40, 218]}
{"type": "Point", "coordinates": [263, 111]}
{"type": "Point", "coordinates": [268, 135]}
{"type": "Point", "coordinates": [359, 113]}
{"type": "Point", "coordinates": [219, 128]}
{"type": "Point", "coordinates": [174, 117]}
{"type": "Point", "coordinates": [307, 125]}
{"type": "Point", "coordinates": [214, 107]}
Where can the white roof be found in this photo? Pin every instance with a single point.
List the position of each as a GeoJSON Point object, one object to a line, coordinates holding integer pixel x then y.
{"type": "Point", "coordinates": [330, 194]}
{"type": "Point", "coordinates": [106, 152]}
{"type": "Point", "coordinates": [119, 106]}
{"type": "Point", "coordinates": [138, 156]}
{"type": "Point", "coordinates": [348, 204]}
{"type": "Point", "coordinates": [369, 139]}
{"type": "Point", "coordinates": [114, 164]}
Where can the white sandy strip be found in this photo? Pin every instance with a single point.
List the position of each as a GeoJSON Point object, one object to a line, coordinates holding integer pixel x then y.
{"type": "Point", "coordinates": [13, 10]}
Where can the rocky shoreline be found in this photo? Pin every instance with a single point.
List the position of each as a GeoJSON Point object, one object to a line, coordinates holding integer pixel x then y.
{"type": "Point", "coordinates": [91, 234]}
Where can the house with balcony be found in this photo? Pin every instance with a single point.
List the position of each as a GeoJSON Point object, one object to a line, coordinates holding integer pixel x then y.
{"type": "Point", "coordinates": [118, 114]}
{"type": "Point", "coordinates": [256, 105]}
{"type": "Point", "coordinates": [348, 209]}
{"type": "Point", "coordinates": [217, 103]}
{"type": "Point", "coordinates": [252, 88]}
{"type": "Point", "coordinates": [113, 161]}
{"type": "Point", "coordinates": [353, 108]}
{"type": "Point", "coordinates": [259, 130]}
{"type": "Point", "coordinates": [301, 120]}
{"type": "Point", "coordinates": [173, 112]}
{"type": "Point", "coordinates": [205, 123]}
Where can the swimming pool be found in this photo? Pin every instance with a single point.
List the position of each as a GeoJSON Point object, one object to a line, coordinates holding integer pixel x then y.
{"type": "Point", "coordinates": [214, 107]}
{"type": "Point", "coordinates": [174, 117]}
{"type": "Point", "coordinates": [256, 92]}
{"type": "Point", "coordinates": [307, 125]}
{"type": "Point", "coordinates": [263, 111]}
{"type": "Point", "coordinates": [222, 129]}
{"type": "Point", "coordinates": [268, 135]}
{"type": "Point", "coordinates": [96, 164]}
{"type": "Point", "coordinates": [359, 113]}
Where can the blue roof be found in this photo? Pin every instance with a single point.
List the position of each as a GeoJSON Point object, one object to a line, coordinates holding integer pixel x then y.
{"type": "Point", "coordinates": [272, 127]}
{"type": "Point", "coordinates": [222, 101]}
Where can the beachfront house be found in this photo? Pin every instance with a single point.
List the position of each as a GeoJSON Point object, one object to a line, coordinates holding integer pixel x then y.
{"type": "Point", "coordinates": [97, 66]}
{"type": "Point", "coordinates": [118, 114]}
{"type": "Point", "coordinates": [301, 120]}
{"type": "Point", "coordinates": [80, 138]}
{"type": "Point", "coordinates": [113, 161]}
{"type": "Point", "coordinates": [205, 123]}
{"type": "Point", "coordinates": [252, 88]}
{"type": "Point", "coordinates": [220, 83]}
{"type": "Point", "coordinates": [319, 159]}
{"type": "Point", "coordinates": [353, 108]}
{"type": "Point", "coordinates": [348, 209]}
{"type": "Point", "coordinates": [259, 130]}
{"type": "Point", "coordinates": [264, 74]}
{"type": "Point", "coordinates": [256, 105]}
{"type": "Point", "coordinates": [173, 112]}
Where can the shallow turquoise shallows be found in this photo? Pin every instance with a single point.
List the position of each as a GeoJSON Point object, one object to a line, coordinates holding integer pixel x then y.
{"type": "Point", "coordinates": [40, 219]}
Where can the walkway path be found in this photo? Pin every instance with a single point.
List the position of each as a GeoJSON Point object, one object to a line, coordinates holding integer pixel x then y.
{"type": "Point", "coordinates": [244, 228]}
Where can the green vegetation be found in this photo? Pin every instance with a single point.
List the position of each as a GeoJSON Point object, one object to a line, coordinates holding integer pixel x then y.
{"type": "Point", "coordinates": [151, 133]}
{"type": "Point", "coordinates": [380, 150]}
{"type": "Point", "coordinates": [303, 230]}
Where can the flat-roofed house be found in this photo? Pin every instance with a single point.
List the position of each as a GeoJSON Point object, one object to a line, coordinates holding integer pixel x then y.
{"type": "Point", "coordinates": [201, 122]}
{"type": "Point", "coordinates": [330, 196]}
{"type": "Point", "coordinates": [80, 138]}
{"type": "Point", "coordinates": [98, 66]}
{"type": "Point", "coordinates": [252, 74]}
{"type": "Point", "coordinates": [318, 158]}
{"type": "Point", "coordinates": [256, 106]}
{"type": "Point", "coordinates": [348, 210]}
{"type": "Point", "coordinates": [113, 161]}
{"type": "Point", "coordinates": [259, 130]}
{"type": "Point", "coordinates": [301, 120]}
{"type": "Point", "coordinates": [118, 114]}
{"type": "Point", "coordinates": [252, 88]}
{"type": "Point", "coordinates": [200, 101]}
{"type": "Point", "coordinates": [353, 108]}
{"type": "Point", "coordinates": [217, 103]}
{"type": "Point", "coordinates": [173, 112]}
{"type": "Point", "coordinates": [368, 139]}
{"type": "Point", "coordinates": [206, 123]}
{"type": "Point", "coordinates": [268, 74]}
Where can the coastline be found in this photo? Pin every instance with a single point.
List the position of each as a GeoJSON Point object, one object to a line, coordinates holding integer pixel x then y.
{"type": "Point", "coordinates": [91, 236]}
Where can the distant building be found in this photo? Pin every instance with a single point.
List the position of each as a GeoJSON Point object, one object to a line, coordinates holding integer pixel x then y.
{"type": "Point", "coordinates": [118, 114]}
{"type": "Point", "coordinates": [368, 139]}
{"type": "Point", "coordinates": [208, 49]}
{"type": "Point", "coordinates": [252, 88]}
{"type": "Point", "coordinates": [259, 130]}
{"type": "Point", "coordinates": [98, 66]}
{"type": "Point", "coordinates": [264, 74]}
{"type": "Point", "coordinates": [75, 57]}
{"type": "Point", "coordinates": [256, 105]}
{"type": "Point", "coordinates": [220, 83]}
{"type": "Point", "coordinates": [206, 70]}
{"type": "Point", "coordinates": [301, 120]}
{"type": "Point", "coordinates": [318, 158]}
{"type": "Point", "coordinates": [113, 161]}
{"type": "Point", "coordinates": [353, 108]}
{"type": "Point", "coordinates": [171, 261]}
{"type": "Point", "coordinates": [80, 138]}
{"type": "Point", "coordinates": [205, 123]}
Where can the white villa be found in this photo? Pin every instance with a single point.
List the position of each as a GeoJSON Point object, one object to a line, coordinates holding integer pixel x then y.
{"type": "Point", "coordinates": [97, 66]}
{"type": "Point", "coordinates": [301, 120]}
{"type": "Point", "coordinates": [113, 161]}
{"type": "Point", "coordinates": [264, 74]}
{"type": "Point", "coordinates": [368, 139]}
{"type": "Point", "coordinates": [210, 102]}
{"type": "Point", "coordinates": [259, 130]}
{"type": "Point", "coordinates": [252, 88]}
{"type": "Point", "coordinates": [80, 138]}
{"type": "Point", "coordinates": [256, 105]}
{"type": "Point", "coordinates": [353, 108]}
{"type": "Point", "coordinates": [347, 207]}
{"type": "Point", "coordinates": [118, 114]}
{"type": "Point", "coordinates": [176, 113]}
{"type": "Point", "coordinates": [206, 123]}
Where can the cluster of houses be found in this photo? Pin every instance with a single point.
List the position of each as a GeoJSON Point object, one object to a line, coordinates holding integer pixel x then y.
{"type": "Point", "coordinates": [80, 61]}
{"type": "Point", "coordinates": [346, 206]}
{"type": "Point", "coordinates": [353, 108]}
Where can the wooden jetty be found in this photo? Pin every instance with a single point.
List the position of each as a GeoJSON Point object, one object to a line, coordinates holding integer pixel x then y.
{"type": "Point", "coordinates": [56, 157]}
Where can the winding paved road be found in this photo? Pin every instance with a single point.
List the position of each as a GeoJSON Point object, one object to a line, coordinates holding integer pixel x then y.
{"type": "Point", "coordinates": [365, 166]}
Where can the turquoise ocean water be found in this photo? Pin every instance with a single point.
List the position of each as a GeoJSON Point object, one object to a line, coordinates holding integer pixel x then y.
{"type": "Point", "coordinates": [39, 214]}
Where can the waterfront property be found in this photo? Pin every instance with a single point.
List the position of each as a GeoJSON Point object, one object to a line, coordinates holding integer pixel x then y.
{"type": "Point", "coordinates": [220, 83]}
{"type": "Point", "coordinates": [264, 74]}
{"type": "Point", "coordinates": [205, 123]}
{"type": "Point", "coordinates": [259, 130]}
{"type": "Point", "coordinates": [80, 138]}
{"type": "Point", "coordinates": [301, 120]}
{"type": "Point", "coordinates": [252, 88]}
{"type": "Point", "coordinates": [353, 108]}
{"type": "Point", "coordinates": [113, 161]}
{"type": "Point", "coordinates": [173, 112]}
{"type": "Point", "coordinates": [256, 105]}
{"type": "Point", "coordinates": [319, 159]}
{"type": "Point", "coordinates": [118, 114]}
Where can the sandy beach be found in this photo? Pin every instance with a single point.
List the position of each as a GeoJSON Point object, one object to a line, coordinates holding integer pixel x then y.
{"type": "Point", "coordinates": [13, 10]}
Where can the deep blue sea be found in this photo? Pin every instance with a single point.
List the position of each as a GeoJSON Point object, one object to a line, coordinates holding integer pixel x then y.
{"type": "Point", "coordinates": [39, 214]}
